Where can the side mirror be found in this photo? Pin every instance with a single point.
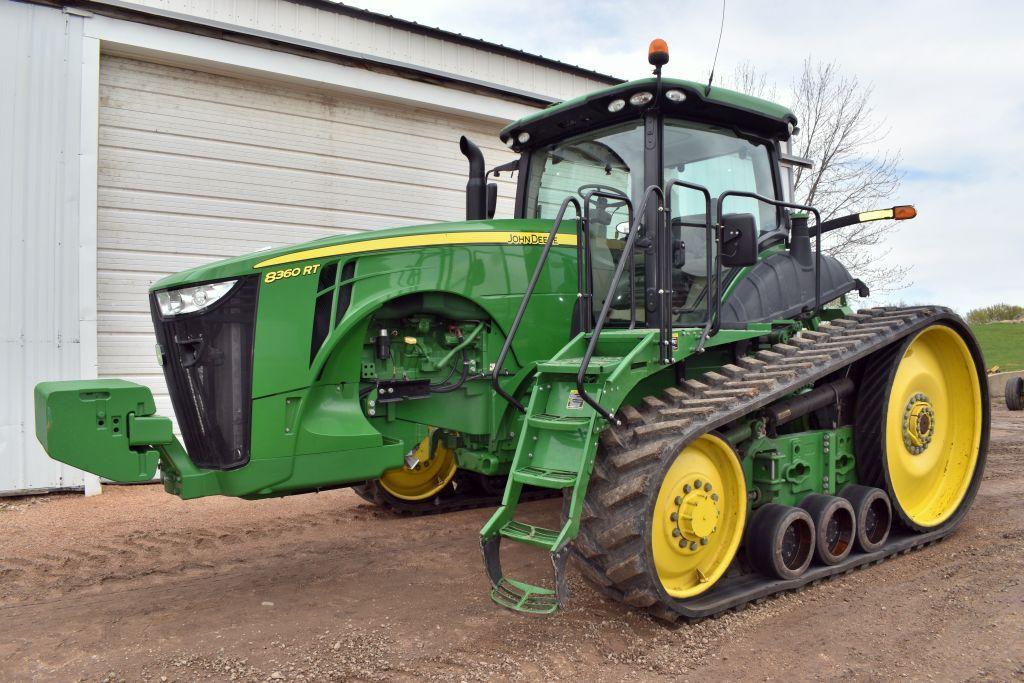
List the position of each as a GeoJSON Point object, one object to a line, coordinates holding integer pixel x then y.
{"type": "Point", "coordinates": [492, 199]}
{"type": "Point", "coordinates": [739, 240]}
{"type": "Point", "coordinates": [678, 253]}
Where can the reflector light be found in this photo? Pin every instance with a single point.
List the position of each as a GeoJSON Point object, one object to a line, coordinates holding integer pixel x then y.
{"type": "Point", "coordinates": [898, 213]}
{"type": "Point", "coordinates": [876, 215]}
{"type": "Point", "coordinates": [675, 95]}
{"type": "Point", "coordinates": [616, 106]}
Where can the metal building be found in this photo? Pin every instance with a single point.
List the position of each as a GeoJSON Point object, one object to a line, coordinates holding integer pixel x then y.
{"type": "Point", "coordinates": [142, 138]}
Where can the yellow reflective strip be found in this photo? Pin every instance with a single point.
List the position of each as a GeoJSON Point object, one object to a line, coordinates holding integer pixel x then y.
{"type": "Point", "coordinates": [514, 239]}
{"type": "Point", "coordinates": [880, 214]}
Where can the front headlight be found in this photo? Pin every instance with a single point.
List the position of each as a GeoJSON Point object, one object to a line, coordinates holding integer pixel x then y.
{"type": "Point", "coordinates": [192, 299]}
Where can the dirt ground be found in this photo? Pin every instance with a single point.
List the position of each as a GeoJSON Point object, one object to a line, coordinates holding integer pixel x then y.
{"type": "Point", "coordinates": [138, 585]}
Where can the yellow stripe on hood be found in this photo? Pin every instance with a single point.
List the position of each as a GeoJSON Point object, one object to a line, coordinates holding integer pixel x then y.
{"type": "Point", "coordinates": [509, 238]}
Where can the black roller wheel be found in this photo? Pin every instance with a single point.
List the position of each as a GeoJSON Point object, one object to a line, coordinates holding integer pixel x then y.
{"type": "Point", "coordinates": [780, 541]}
{"type": "Point", "coordinates": [835, 526]}
{"type": "Point", "coordinates": [1015, 393]}
{"type": "Point", "coordinates": [873, 513]}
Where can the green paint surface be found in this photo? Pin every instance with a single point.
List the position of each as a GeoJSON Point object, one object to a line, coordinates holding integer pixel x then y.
{"type": "Point", "coordinates": [717, 95]}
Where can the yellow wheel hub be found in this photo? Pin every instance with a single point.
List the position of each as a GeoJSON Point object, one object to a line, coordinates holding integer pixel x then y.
{"type": "Point", "coordinates": [698, 517]}
{"type": "Point", "coordinates": [918, 424]}
{"type": "Point", "coordinates": [423, 475]}
{"type": "Point", "coordinates": [934, 423]}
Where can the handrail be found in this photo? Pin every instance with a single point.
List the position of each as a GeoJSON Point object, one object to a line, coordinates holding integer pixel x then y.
{"type": "Point", "coordinates": [585, 271]}
{"type": "Point", "coordinates": [627, 253]}
{"type": "Point", "coordinates": [526, 299]}
{"type": "Point", "coordinates": [776, 203]}
{"type": "Point", "coordinates": [709, 221]}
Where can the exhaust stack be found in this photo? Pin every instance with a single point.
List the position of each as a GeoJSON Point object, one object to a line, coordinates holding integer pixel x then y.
{"type": "Point", "coordinates": [476, 188]}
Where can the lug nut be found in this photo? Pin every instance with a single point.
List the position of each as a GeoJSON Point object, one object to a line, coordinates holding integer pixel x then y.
{"type": "Point", "coordinates": [674, 516]}
{"type": "Point", "coordinates": [714, 497]}
{"type": "Point", "coordinates": [679, 500]}
{"type": "Point", "coordinates": [686, 489]}
{"type": "Point", "coordinates": [707, 487]}
{"type": "Point", "coordinates": [676, 533]}
{"type": "Point", "coordinates": [693, 546]}
{"type": "Point", "coordinates": [697, 483]}
{"type": "Point", "coordinates": [704, 541]}
{"type": "Point", "coordinates": [682, 543]}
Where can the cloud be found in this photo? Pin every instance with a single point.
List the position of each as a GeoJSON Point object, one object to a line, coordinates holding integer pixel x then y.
{"type": "Point", "coordinates": [947, 79]}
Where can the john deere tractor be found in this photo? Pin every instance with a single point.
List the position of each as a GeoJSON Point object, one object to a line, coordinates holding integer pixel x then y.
{"type": "Point", "coordinates": [657, 336]}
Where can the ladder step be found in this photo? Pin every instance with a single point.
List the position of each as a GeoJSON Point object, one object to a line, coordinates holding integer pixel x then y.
{"type": "Point", "coordinates": [545, 478]}
{"type": "Point", "coordinates": [558, 423]}
{"type": "Point", "coordinates": [522, 597]}
{"type": "Point", "coordinates": [529, 534]}
{"type": "Point", "coordinates": [599, 365]}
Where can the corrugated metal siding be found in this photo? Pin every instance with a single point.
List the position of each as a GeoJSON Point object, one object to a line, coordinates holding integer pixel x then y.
{"type": "Point", "coordinates": [40, 82]}
{"type": "Point", "coordinates": [332, 29]}
{"type": "Point", "coordinates": [195, 167]}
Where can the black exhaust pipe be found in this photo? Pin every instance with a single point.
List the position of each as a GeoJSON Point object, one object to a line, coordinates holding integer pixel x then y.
{"type": "Point", "coordinates": [476, 188]}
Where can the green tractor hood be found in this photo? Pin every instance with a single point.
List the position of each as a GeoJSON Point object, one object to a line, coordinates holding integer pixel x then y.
{"type": "Point", "coordinates": [503, 231]}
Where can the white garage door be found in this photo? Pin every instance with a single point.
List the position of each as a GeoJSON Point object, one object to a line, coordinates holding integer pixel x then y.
{"type": "Point", "coordinates": [196, 167]}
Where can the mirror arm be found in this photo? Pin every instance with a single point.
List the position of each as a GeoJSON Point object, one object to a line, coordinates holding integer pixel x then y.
{"type": "Point", "coordinates": [510, 167]}
{"type": "Point", "coordinates": [896, 213]}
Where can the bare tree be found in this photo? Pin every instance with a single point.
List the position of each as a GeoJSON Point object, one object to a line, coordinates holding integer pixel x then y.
{"type": "Point", "coordinates": [841, 133]}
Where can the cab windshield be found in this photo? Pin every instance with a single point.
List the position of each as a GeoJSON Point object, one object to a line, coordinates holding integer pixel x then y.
{"type": "Point", "coordinates": [611, 160]}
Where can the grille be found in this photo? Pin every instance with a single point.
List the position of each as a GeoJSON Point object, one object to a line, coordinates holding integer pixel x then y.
{"type": "Point", "coordinates": [207, 362]}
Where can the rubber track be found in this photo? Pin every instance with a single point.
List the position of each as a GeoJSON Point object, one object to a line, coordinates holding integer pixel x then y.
{"type": "Point", "coordinates": [867, 438]}
{"type": "Point", "coordinates": [452, 499]}
{"type": "Point", "coordinates": [613, 548]}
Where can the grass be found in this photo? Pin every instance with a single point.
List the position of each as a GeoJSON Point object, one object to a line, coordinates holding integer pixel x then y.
{"type": "Point", "coordinates": [1002, 344]}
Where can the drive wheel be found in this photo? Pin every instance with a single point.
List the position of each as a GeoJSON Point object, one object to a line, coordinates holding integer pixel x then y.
{"type": "Point", "coordinates": [424, 475]}
{"type": "Point", "coordinates": [922, 422]}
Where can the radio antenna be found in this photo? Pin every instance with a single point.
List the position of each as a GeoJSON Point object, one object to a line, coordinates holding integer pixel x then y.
{"type": "Point", "coordinates": [721, 27]}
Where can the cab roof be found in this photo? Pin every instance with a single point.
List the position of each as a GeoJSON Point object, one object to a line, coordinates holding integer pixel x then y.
{"type": "Point", "coordinates": [707, 105]}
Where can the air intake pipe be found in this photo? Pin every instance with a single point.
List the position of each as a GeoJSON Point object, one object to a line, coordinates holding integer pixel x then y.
{"type": "Point", "coordinates": [476, 188]}
{"type": "Point", "coordinates": [800, 240]}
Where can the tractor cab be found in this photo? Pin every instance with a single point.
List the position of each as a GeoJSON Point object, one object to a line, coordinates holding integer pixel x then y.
{"type": "Point", "coordinates": [697, 169]}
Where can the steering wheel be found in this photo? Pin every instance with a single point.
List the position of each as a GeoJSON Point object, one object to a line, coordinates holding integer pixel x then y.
{"type": "Point", "coordinates": [611, 204]}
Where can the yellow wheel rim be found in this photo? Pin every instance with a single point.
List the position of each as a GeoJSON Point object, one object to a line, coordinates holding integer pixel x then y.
{"type": "Point", "coordinates": [933, 426]}
{"type": "Point", "coordinates": [424, 479]}
{"type": "Point", "coordinates": [698, 517]}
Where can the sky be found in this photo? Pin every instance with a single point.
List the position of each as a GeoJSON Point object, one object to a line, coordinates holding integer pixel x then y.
{"type": "Point", "coordinates": [948, 80]}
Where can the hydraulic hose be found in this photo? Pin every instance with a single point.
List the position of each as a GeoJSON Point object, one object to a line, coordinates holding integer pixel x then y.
{"type": "Point", "coordinates": [466, 341]}
{"type": "Point", "coordinates": [444, 388]}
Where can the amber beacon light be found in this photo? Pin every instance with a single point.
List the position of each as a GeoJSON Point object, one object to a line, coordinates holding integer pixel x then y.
{"type": "Point", "coordinates": [657, 53]}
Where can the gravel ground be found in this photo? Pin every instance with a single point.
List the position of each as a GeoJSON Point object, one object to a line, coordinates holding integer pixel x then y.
{"type": "Point", "coordinates": [138, 585]}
